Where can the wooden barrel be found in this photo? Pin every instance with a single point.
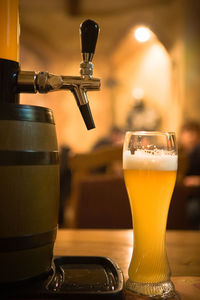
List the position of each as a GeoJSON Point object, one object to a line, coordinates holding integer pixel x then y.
{"type": "Point", "coordinates": [29, 191]}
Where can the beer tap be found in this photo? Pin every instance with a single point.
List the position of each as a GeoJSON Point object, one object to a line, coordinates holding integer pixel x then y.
{"type": "Point", "coordinates": [44, 82]}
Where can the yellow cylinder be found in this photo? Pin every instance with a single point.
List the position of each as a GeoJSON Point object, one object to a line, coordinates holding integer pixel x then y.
{"type": "Point", "coordinates": [9, 29]}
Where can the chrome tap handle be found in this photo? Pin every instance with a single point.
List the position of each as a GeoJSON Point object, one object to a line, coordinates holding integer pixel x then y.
{"type": "Point", "coordinates": [89, 33]}
{"type": "Point", "coordinates": [44, 82]}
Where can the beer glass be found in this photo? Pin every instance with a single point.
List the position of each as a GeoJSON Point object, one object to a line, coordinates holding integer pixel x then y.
{"type": "Point", "coordinates": [150, 165]}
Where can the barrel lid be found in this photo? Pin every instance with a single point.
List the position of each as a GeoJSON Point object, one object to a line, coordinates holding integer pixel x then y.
{"type": "Point", "coordinates": [21, 112]}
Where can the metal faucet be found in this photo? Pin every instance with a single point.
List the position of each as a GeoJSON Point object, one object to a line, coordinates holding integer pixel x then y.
{"type": "Point", "coordinates": [44, 82]}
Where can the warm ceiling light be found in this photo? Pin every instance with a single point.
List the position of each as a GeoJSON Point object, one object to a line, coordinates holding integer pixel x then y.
{"type": "Point", "coordinates": [142, 34]}
{"type": "Point", "coordinates": [138, 93]}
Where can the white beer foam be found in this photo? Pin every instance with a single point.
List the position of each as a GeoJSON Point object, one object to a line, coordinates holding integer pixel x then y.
{"type": "Point", "coordinates": [158, 160]}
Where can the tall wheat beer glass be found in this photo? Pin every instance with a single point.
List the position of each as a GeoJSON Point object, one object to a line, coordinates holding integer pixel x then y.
{"type": "Point", "coordinates": [150, 165]}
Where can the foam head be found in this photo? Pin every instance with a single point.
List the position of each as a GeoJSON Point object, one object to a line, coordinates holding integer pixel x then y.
{"type": "Point", "coordinates": [150, 160]}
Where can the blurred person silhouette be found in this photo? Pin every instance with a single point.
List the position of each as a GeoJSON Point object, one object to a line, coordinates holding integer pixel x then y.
{"type": "Point", "coordinates": [190, 147]}
{"type": "Point", "coordinates": [114, 138]}
{"type": "Point", "coordinates": [142, 117]}
{"type": "Point", "coordinates": [190, 143]}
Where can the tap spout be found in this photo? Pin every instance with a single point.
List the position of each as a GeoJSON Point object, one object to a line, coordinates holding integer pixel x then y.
{"type": "Point", "coordinates": [83, 105]}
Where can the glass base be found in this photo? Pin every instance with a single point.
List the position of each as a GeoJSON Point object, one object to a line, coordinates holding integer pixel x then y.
{"type": "Point", "coordinates": [159, 290]}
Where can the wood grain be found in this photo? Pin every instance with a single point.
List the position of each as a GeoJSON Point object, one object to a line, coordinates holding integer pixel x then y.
{"type": "Point", "coordinates": [183, 248]}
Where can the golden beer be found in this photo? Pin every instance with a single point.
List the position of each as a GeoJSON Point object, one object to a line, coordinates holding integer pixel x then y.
{"type": "Point", "coordinates": [150, 178]}
{"type": "Point", "coordinates": [9, 29]}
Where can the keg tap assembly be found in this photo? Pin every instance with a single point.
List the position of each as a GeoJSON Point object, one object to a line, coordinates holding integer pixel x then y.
{"type": "Point", "coordinates": [16, 81]}
{"type": "Point", "coordinates": [43, 82]}
{"type": "Point", "coordinates": [29, 158]}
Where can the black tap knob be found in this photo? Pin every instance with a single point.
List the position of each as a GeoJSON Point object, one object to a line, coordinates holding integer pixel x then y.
{"type": "Point", "coordinates": [89, 33]}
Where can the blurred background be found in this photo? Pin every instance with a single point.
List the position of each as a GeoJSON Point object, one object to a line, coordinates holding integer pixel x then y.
{"type": "Point", "coordinates": [147, 57]}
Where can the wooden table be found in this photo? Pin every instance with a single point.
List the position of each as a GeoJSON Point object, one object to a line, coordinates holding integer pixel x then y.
{"type": "Point", "coordinates": [183, 248]}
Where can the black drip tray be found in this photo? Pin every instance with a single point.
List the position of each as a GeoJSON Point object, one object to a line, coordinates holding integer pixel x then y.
{"type": "Point", "coordinates": [72, 277]}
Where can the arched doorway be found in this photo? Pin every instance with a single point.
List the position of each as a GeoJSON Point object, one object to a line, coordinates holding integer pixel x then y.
{"type": "Point", "coordinates": [143, 71]}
